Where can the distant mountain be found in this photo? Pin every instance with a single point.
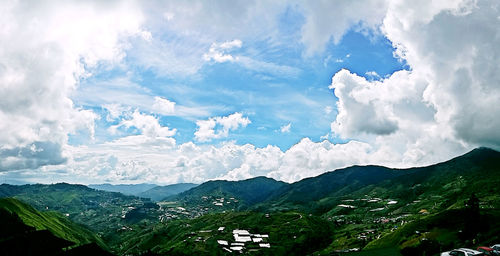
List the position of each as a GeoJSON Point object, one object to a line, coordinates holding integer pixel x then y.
{"type": "Point", "coordinates": [26, 231]}
{"type": "Point", "coordinates": [250, 191]}
{"type": "Point", "coordinates": [160, 192]}
{"type": "Point", "coordinates": [126, 189]}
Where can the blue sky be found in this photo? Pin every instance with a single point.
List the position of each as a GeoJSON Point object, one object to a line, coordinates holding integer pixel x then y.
{"type": "Point", "coordinates": [270, 99]}
{"type": "Point", "coordinates": [189, 91]}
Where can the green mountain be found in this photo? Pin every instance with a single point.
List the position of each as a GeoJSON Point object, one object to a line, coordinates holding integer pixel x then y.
{"type": "Point", "coordinates": [475, 171]}
{"type": "Point", "coordinates": [359, 210]}
{"type": "Point", "coordinates": [26, 231]}
{"type": "Point", "coordinates": [248, 192]}
{"type": "Point", "coordinates": [382, 209]}
{"type": "Point", "coordinates": [126, 189]}
{"type": "Point", "coordinates": [160, 192]}
{"type": "Point", "coordinates": [306, 193]}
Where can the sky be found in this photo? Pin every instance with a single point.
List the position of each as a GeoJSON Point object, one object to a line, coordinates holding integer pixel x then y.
{"type": "Point", "coordinates": [164, 92]}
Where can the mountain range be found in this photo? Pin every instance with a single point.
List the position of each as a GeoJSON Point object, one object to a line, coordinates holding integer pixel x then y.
{"type": "Point", "coordinates": [370, 209]}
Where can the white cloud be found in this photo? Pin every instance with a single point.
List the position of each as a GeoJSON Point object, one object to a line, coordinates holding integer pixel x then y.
{"type": "Point", "coordinates": [139, 158]}
{"type": "Point", "coordinates": [373, 75]}
{"type": "Point", "coordinates": [231, 44]}
{"type": "Point", "coordinates": [286, 128]}
{"type": "Point", "coordinates": [325, 137]}
{"type": "Point", "coordinates": [267, 67]}
{"type": "Point", "coordinates": [207, 129]}
{"type": "Point", "coordinates": [217, 52]}
{"type": "Point", "coordinates": [329, 20]}
{"type": "Point", "coordinates": [446, 103]}
{"type": "Point", "coordinates": [361, 106]}
{"type": "Point", "coordinates": [163, 106]}
{"type": "Point", "coordinates": [146, 124]}
{"type": "Point", "coordinates": [120, 95]}
{"type": "Point", "coordinates": [114, 111]}
{"type": "Point", "coordinates": [46, 49]}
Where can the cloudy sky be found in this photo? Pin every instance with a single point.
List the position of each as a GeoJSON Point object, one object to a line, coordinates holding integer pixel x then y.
{"type": "Point", "coordinates": [188, 91]}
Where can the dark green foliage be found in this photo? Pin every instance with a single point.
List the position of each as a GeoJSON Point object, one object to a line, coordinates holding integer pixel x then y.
{"type": "Point", "coordinates": [40, 242]}
{"type": "Point", "coordinates": [11, 225]}
{"type": "Point", "coordinates": [86, 250]}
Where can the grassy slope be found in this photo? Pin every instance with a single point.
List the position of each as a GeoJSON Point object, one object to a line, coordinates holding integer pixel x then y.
{"type": "Point", "coordinates": [57, 224]}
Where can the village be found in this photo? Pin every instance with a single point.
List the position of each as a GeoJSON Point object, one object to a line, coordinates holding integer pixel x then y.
{"type": "Point", "coordinates": [241, 240]}
{"type": "Point", "coordinates": [208, 204]}
{"type": "Point", "coordinates": [369, 218]}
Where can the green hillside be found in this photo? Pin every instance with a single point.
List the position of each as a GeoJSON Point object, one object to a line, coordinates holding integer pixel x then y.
{"type": "Point", "coordinates": [359, 210]}
{"type": "Point", "coordinates": [248, 192]}
{"type": "Point", "coordinates": [160, 192]}
{"type": "Point", "coordinates": [52, 221]}
{"type": "Point", "coordinates": [26, 231]}
{"type": "Point", "coordinates": [286, 233]}
{"type": "Point", "coordinates": [477, 171]}
{"type": "Point", "coordinates": [387, 213]}
{"type": "Point", "coordinates": [100, 211]}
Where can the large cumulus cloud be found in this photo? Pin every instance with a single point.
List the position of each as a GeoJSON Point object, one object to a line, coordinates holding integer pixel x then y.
{"type": "Point", "coordinates": [45, 49]}
{"type": "Point", "coordinates": [447, 102]}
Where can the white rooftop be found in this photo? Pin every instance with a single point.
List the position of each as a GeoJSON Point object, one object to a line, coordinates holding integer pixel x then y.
{"type": "Point", "coordinates": [236, 248]}
{"type": "Point", "coordinates": [241, 232]}
{"type": "Point", "coordinates": [222, 242]}
{"type": "Point", "coordinates": [242, 238]}
{"type": "Point", "coordinates": [266, 245]}
{"type": "Point", "coordinates": [347, 206]}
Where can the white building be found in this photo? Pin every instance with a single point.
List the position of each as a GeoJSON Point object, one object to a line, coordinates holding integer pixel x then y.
{"type": "Point", "coordinates": [222, 242]}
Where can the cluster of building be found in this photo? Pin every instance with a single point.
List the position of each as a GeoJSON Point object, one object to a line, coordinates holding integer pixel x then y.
{"type": "Point", "coordinates": [221, 201]}
{"type": "Point", "coordinates": [368, 200]}
{"type": "Point", "coordinates": [243, 239]}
